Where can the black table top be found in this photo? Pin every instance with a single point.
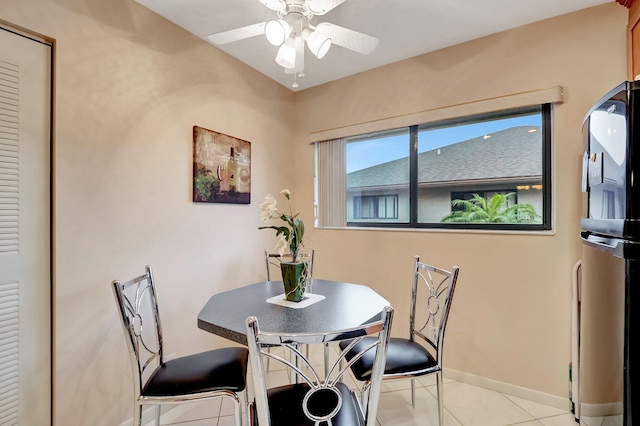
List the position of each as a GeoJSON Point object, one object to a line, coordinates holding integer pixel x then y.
{"type": "Point", "coordinates": [345, 305]}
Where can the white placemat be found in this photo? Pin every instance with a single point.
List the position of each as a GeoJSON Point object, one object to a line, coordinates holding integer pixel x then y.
{"type": "Point", "coordinates": [309, 299]}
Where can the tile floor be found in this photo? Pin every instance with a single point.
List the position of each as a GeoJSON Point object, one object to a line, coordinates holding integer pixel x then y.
{"type": "Point", "coordinates": [465, 405]}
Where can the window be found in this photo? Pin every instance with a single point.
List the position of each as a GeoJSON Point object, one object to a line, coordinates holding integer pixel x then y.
{"type": "Point", "coordinates": [378, 169]}
{"type": "Point", "coordinates": [375, 207]}
{"type": "Point", "coordinates": [485, 171]}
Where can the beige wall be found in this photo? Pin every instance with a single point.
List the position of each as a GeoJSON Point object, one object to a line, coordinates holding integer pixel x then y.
{"type": "Point", "coordinates": [129, 88]}
{"type": "Point", "coordinates": [511, 318]}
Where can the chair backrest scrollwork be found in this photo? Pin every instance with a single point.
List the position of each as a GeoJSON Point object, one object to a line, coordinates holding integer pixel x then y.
{"type": "Point", "coordinates": [324, 395]}
{"type": "Point", "coordinates": [273, 260]}
{"type": "Point", "coordinates": [431, 298]}
{"type": "Point", "coordinates": [137, 304]}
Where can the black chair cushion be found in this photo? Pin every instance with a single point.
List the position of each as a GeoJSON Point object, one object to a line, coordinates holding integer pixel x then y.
{"type": "Point", "coordinates": [285, 406]}
{"type": "Point", "coordinates": [218, 369]}
{"type": "Point", "coordinates": [403, 356]}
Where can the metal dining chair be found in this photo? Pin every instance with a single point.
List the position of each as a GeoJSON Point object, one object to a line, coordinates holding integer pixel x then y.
{"type": "Point", "coordinates": [218, 373]}
{"type": "Point", "coordinates": [273, 260]}
{"type": "Point", "coordinates": [315, 399]}
{"type": "Point", "coordinates": [407, 358]}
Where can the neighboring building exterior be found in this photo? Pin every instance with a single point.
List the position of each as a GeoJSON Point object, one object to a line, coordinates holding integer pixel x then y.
{"type": "Point", "coordinates": [506, 161]}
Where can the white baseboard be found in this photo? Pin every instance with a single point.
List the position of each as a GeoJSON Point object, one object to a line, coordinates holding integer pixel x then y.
{"type": "Point", "coordinates": [602, 410]}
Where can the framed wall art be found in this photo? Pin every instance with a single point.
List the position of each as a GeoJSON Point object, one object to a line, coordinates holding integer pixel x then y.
{"type": "Point", "coordinates": [221, 168]}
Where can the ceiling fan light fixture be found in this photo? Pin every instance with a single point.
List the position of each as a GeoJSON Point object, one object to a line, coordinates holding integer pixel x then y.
{"type": "Point", "coordinates": [319, 44]}
{"type": "Point", "coordinates": [287, 54]}
{"type": "Point", "coordinates": [291, 29]}
{"type": "Point", "coordinates": [277, 31]}
{"type": "Point", "coordinates": [274, 4]}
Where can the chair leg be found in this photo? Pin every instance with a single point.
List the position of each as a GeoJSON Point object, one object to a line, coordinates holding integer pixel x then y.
{"type": "Point", "coordinates": [247, 404]}
{"type": "Point", "coordinates": [293, 376]}
{"type": "Point", "coordinates": [413, 393]}
{"type": "Point", "coordinates": [440, 386]}
{"type": "Point", "coordinates": [365, 394]}
{"type": "Point", "coordinates": [238, 411]}
{"type": "Point", "coordinates": [137, 415]}
{"type": "Point", "coordinates": [251, 414]}
{"type": "Point", "coordinates": [158, 412]}
{"type": "Point", "coordinates": [326, 359]}
{"type": "Point", "coordinates": [268, 359]}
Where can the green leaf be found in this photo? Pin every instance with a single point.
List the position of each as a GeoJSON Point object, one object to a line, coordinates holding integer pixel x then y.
{"type": "Point", "coordinates": [299, 230]}
{"type": "Point", "coordinates": [478, 210]}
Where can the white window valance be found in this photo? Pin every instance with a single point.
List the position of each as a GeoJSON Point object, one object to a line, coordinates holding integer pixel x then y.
{"type": "Point", "coordinates": [534, 97]}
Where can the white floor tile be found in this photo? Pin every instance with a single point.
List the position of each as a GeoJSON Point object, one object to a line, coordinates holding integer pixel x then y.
{"type": "Point", "coordinates": [227, 408]}
{"type": "Point", "coordinates": [395, 409]}
{"type": "Point", "coordinates": [566, 419]}
{"type": "Point", "coordinates": [430, 380]}
{"type": "Point", "coordinates": [229, 421]}
{"type": "Point", "coordinates": [474, 406]}
{"type": "Point", "coordinates": [591, 421]}
{"type": "Point", "coordinates": [398, 384]}
{"type": "Point", "coordinates": [187, 412]}
{"type": "Point", "coordinates": [537, 410]}
{"type": "Point", "coordinates": [612, 421]}
{"type": "Point", "coordinates": [203, 422]}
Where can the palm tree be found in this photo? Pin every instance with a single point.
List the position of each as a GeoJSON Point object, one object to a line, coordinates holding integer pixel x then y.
{"type": "Point", "coordinates": [479, 210]}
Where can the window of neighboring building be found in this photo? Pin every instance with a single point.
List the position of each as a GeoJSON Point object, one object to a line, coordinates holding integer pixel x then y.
{"type": "Point", "coordinates": [487, 171]}
{"type": "Point", "coordinates": [378, 177]}
{"type": "Point", "coordinates": [375, 207]}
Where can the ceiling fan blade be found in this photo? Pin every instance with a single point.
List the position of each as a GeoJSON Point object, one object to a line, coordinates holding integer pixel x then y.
{"type": "Point", "coordinates": [320, 7]}
{"type": "Point", "coordinates": [237, 34]}
{"type": "Point", "coordinates": [347, 38]}
{"type": "Point", "coordinates": [299, 66]}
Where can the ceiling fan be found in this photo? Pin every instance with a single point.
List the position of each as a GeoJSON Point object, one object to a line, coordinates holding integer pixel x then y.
{"type": "Point", "coordinates": [292, 28]}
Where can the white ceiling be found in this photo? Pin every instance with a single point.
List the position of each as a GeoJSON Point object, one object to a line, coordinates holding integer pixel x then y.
{"type": "Point", "coordinates": [405, 28]}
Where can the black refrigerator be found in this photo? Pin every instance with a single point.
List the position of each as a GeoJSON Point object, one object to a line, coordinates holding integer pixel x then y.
{"type": "Point", "coordinates": [610, 276]}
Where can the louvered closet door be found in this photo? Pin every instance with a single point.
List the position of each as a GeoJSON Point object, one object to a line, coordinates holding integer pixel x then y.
{"type": "Point", "coordinates": [25, 234]}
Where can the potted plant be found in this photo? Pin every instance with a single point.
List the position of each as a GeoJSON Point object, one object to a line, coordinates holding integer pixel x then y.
{"type": "Point", "coordinates": [496, 210]}
{"type": "Point", "coordinates": [290, 235]}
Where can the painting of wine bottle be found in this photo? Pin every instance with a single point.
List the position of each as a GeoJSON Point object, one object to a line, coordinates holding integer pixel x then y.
{"type": "Point", "coordinates": [221, 168]}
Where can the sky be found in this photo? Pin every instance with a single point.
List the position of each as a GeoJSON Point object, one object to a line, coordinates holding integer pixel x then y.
{"type": "Point", "coordinates": [361, 155]}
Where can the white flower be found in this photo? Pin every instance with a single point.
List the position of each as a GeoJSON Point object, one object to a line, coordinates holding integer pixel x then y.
{"type": "Point", "coordinates": [269, 209]}
{"type": "Point", "coordinates": [290, 234]}
{"type": "Point", "coordinates": [281, 245]}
